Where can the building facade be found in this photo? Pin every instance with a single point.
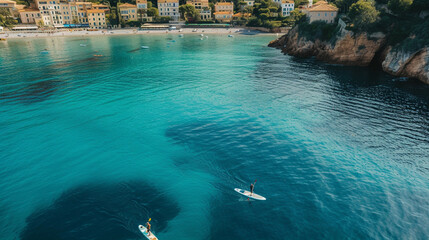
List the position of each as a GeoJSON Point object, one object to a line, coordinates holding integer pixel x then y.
{"type": "Point", "coordinates": [223, 16]}
{"type": "Point", "coordinates": [8, 5]}
{"type": "Point", "coordinates": [322, 11]}
{"type": "Point", "coordinates": [97, 18]}
{"type": "Point", "coordinates": [287, 7]}
{"type": "Point", "coordinates": [169, 8]}
{"type": "Point", "coordinates": [30, 16]}
{"type": "Point", "coordinates": [128, 12]}
{"type": "Point", "coordinates": [202, 6]}
{"type": "Point", "coordinates": [224, 7]}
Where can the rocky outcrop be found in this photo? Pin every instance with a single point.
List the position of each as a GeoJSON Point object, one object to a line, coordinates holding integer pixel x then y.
{"type": "Point", "coordinates": [404, 64]}
{"type": "Point", "coordinates": [357, 50]}
{"type": "Point", "coordinates": [348, 49]}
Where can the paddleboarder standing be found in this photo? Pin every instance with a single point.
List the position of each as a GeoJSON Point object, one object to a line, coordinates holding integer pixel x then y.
{"type": "Point", "coordinates": [251, 188]}
{"type": "Point", "coordinates": [148, 228]}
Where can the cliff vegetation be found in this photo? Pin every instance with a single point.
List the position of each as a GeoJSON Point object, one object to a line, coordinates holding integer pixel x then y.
{"type": "Point", "coordinates": [391, 34]}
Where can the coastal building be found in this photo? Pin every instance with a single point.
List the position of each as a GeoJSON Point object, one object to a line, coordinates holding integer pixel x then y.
{"type": "Point", "coordinates": [249, 2]}
{"type": "Point", "coordinates": [8, 5]}
{"type": "Point", "coordinates": [224, 11]}
{"type": "Point", "coordinates": [287, 7]}
{"type": "Point", "coordinates": [169, 8]}
{"type": "Point", "coordinates": [97, 18]}
{"type": "Point", "coordinates": [30, 15]}
{"type": "Point", "coordinates": [128, 12]}
{"type": "Point", "coordinates": [101, 7]}
{"type": "Point", "coordinates": [202, 6]}
{"type": "Point", "coordinates": [78, 13]}
{"type": "Point", "coordinates": [322, 11]}
{"type": "Point", "coordinates": [224, 7]}
{"type": "Point", "coordinates": [50, 12]}
{"type": "Point", "coordinates": [223, 16]}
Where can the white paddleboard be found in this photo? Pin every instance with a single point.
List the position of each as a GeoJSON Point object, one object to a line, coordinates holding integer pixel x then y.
{"type": "Point", "coordinates": [143, 229]}
{"type": "Point", "coordinates": [249, 195]}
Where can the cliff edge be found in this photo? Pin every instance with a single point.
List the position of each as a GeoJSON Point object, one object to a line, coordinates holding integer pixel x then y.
{"type": "Point", "coordinates": [357, 49]}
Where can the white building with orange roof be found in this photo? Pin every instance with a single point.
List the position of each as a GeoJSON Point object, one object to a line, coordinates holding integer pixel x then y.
{"type": "Point", "coordinates": [287, 7]}
{"type": "Point", "coordinates": [97, 18]}
{"type": "Point", "coordinates": [128, 12]}
{"type": "Point", "coordinates": [322, 11]}
{"type": "Point", "coordinates": [30, 15]}
{"type": "Point", "coordinates": [169, 8]}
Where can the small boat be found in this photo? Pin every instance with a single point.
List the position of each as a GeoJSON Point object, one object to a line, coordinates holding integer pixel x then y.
{"type": "Point", "coordinates": [230, 35]}
{"type": "Point", "coordinates": [201, 39]}
{"type": "Point", "coordinates": [82, 45]}
{"type": "Point", "coordinates": [207, 37]}
{"type": "Point", "coordinates": [173, 40]}
{"type": "Point", "coordinates": [180, 35]}
{"type": "Point", "coordinates": [202, 35]}
{"type": "Point", "coordinates": [144, 47]}
{"type": "Point", "coordinates": [195, 30]}
{"type": "Point", "coordinates": [44, 52]}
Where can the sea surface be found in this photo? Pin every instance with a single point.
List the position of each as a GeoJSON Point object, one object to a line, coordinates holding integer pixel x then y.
{"type": "Point", "coordinates": [97, 135]}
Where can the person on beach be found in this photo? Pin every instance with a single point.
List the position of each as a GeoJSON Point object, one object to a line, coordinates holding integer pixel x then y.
{"type": "Point", "coordinates": [251, 189]}
{"type": "Point", "coordinates": [148, 228]}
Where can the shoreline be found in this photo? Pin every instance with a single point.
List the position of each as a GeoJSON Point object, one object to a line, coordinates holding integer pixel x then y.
{"type": "Point", "coordinates": [121, 32]}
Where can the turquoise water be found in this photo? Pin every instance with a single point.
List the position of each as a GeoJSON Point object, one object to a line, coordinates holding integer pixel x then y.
{"type": "Point", "coordinates": [92, 146]}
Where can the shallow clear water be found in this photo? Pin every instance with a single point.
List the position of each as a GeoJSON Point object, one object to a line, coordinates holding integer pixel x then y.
{"type": "Point", "coordinates": [91, 146]}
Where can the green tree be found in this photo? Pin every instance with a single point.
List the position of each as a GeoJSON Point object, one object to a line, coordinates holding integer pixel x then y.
{"type": "Point", "coordinates": [141, 13]}
{"type": "Point", "coordinates": [188, 11]}
{"type": "Point", "coordinates": [6, 19]}
{"type": "Point", "coordinates": [344, 5]}
{"type": "Point", "coordinates": [151, 11]}
{"type": "Point", "coordinates": [399, 6]}
{"type": "Point", "coordinates": [363, 13]}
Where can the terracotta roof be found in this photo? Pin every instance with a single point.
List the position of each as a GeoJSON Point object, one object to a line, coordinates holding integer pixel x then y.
{"type": "Point", "coordinates": [141, 1]}
{"type": "Point", "coordinates": [323, 7]}
{"type": "Point", "coordinates": [127, 5]}
{"type": "Point", "coordinates": [95, 11]}
{"type": "Point", "coordinates": [224, 3]}
{"type": "Point", "coordinates": [287, 1]}
{"type": "Point", "coordinates": [229, 13]}
{"type": "Point", "coordinates": [29, 10]}
{"type": "Point", "coordinates": [99, 5]}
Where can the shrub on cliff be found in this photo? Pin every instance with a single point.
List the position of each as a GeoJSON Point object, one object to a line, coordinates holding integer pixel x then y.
{"type": "Point", "coordinates": [318, 30]}
{"type": "Point", "coordinates": [399, 6]}
{"type": "Point", "coordinates": [362, 14]}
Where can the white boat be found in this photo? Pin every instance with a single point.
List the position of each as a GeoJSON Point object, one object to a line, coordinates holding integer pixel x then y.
{"type": "Point", "coordinates": [143, 230]}
{"type": "Point", "coordinates": [201, 35]}
{"type": "Point", "coordinates": [180, 35]}
{"type": "Point", "coordinates": [144, 47]}
{"type": "Point", "coordinates": [230, 35]}
{"type": "Point", "coordinates": [82, 45]}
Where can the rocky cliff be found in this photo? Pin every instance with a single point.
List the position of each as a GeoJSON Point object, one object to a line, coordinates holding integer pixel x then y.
{"type": "Point", "coordinates": [348, 48]}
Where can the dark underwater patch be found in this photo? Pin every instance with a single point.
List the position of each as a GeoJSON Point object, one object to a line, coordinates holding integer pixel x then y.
{"type": "Point", "coordinates": [299, 190]}
{"type": "Point", "coordinates": [33, 93]}
{"type": "Point", "coordinates": [100, 212]}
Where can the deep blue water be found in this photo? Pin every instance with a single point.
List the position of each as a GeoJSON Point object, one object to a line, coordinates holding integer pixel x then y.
{"type": "Point", "coordinates": [92, 146]}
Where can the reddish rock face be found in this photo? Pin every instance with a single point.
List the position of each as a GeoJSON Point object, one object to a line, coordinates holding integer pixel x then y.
{"type": "Point", "coordinates": [357, 50]}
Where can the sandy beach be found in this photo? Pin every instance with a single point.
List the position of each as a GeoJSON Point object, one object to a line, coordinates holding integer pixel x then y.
{"type": "Point", "coordinates": [130, 31]}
